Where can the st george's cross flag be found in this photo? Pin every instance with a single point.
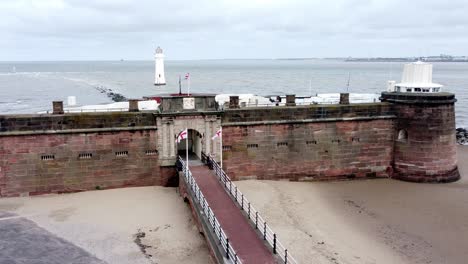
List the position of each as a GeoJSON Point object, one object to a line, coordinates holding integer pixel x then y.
{"type": "Point", "coordinates": [182, 135]}
{"type": "Point", "coordinates": [187, 76]}
{"type": "Point", "coordinates": [218, 134]}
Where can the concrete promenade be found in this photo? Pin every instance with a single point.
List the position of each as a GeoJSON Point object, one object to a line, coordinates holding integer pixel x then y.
{"type": "Point", "coordinates": [23, 241]}
{"type": "Point", "coordinates": [242, 236]}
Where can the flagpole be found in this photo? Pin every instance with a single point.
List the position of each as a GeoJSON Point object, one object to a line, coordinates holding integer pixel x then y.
{"type": "Point", "coordinates": [188, 80]}
{"type": "Point", "coordinates": [221, 147]}
{"type": "Point", "coordinates": [186, 147]}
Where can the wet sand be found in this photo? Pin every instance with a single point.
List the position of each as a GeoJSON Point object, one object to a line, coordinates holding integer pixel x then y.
{"type": "Point", "coordinates": [369, 221]}
{"type": "Point", "coordinates": [133, 225]}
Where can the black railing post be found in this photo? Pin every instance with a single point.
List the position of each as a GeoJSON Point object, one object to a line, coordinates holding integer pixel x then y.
{"type": "Point", "coordinates": [285, 256]}
{"type": "Point", "coordinates": [230, 187]}
{"type": "Point", "coordinates": [236, 193]}
{"type": "Point", "coordinates": [219, 228]}
{"type": "Point", "coordinates": [242, 203]}
{"type": "Point", "coordinates": [249, 210]}
{"type": "Point", "coordinates": [264, 230]}
{"type": "Point", "coordinates": [274, 243]}
{"type": "Point", "coordinates": [227, 248]}
{"type": "Point", "coordinates": [256, 220]}
{"type": "Point", "coordinates": [214, 222]}
{"type": "Point", "coordinates": [235, 258]}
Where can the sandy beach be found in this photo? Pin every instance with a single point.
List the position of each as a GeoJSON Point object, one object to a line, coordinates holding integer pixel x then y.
{"type": "Point", "coordinates": [115, 225]}
{"type": "Point", "coordinates": [369, 221]}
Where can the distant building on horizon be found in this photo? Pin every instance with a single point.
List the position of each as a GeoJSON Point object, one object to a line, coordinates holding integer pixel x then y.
{"type": "Point", "coordinates": [159, 77]}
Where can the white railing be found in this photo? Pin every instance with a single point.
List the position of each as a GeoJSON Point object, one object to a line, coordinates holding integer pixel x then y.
{"type": "Point", "coordinates": [89, 110]}
{"type": "Point", "coordinates": [284, 104]}
{"type": "Point", "coordinates": [209, 215]}
{"type": "Point", "coordinates": [252, 214]}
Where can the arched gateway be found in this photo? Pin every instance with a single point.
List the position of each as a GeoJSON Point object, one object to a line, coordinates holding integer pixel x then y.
{"type": "Point", "coordinates": [202, 123]}
{"type": "Point", "coordinates": [194, 142]}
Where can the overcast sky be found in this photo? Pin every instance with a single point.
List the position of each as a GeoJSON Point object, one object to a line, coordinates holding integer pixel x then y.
{"type": "Point", "coordinates": [217, 29]}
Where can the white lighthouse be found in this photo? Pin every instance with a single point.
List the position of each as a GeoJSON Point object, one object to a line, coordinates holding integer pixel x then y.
{"type": "Point", "coordinates": [159, 78]}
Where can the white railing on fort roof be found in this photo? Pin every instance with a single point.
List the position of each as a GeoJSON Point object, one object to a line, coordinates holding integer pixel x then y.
{"type": "Point", "coordinates": [89, 110]}
{"type": "Point", "coordinates": [209, 215]}
{"type": "Point", "coordinates": [252, 214]}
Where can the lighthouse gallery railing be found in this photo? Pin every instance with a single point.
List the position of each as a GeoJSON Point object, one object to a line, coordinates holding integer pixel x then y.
{"type": "Point", "coordinates": [252, 214]}
{"type": "Point", "coordinates": [213, 222]}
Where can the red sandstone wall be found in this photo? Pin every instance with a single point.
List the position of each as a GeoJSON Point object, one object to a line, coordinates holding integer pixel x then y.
{"type": "Point", "coordinates": [314, 151]}
{"type": "Point", "coordinates": [23, 172]}
{"type": "Point", "coordinates": [429, 154]}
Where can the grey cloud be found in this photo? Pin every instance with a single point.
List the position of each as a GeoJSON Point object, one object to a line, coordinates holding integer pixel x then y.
{"type": "Point", "coordinates": [303, 26]}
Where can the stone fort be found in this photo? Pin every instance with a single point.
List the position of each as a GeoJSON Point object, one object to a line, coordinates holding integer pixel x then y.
{"type": "Point", "coordinates": [407, 136]}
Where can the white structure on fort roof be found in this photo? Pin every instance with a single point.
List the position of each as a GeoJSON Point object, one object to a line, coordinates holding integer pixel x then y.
{"type": "Point", "coordinates": [417, 78]}
{"type": "Point", "coordinates": [159, 78]}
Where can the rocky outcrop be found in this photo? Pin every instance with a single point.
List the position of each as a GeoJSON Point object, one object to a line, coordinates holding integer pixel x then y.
{"type": "Point", "coordinates": [462, 136]}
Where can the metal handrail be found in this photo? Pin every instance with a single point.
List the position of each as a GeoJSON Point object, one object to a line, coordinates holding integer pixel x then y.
{"type": "Point", "coordinates": [91, 110]}
{"type": "Point", "coordinates": [252, 214]}
{"type": "Point", "coordinates": [284, 104]}
{"type": "Point", "coordinates": [210, 217]}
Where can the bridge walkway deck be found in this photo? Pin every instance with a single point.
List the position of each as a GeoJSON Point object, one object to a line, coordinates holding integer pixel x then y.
{"type": "Point", "coordinates": [249, 247]}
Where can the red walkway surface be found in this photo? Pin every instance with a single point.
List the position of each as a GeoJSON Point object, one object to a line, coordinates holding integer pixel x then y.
{"type": "Point", "coordinates": [247, 244]}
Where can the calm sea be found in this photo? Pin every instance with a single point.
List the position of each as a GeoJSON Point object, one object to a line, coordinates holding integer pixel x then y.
{"type": "Point", "coordinates": [29, 87]}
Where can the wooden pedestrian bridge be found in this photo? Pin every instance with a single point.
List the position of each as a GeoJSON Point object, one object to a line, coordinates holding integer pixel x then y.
{"type": "Point", "coordinates": [233, 228]}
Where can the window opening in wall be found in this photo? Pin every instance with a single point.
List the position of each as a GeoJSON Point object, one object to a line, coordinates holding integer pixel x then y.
{"type": "Point", "coordinates": [356, 139]}
{"type": "Point", "coordinates": [85, 156]}
{"type": "Point", "coordinates": [151, 152]}
{"type": "Point", "coordinates": [227, 148]}
{"type": "Point", "coordinates": [282, 144]}
{"type": "Point", "coordinates": [311, 142]}
{"type": "Point", "coordinates": [426, 90]}
{"type": "Point", "coordinates": [435, 90]}
{"type": "Point", "coordinates": [47, 157]}
{"type": "Point", "coordinates": [121, 153]}
{"type": "Point", "coordinates": [336, 141]}
{"type": "Point", "coordinates": [249, 146]}
{"type": "Point", "coordinates": [409, 89]}
{"type": "Point", "coordinates": [402, 135]}
{"type": "Point", "coordinates": [417, 89]}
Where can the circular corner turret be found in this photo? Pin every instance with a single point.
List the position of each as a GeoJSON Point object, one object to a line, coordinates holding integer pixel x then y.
{"type": "Point", "coordinates": [425, 145]}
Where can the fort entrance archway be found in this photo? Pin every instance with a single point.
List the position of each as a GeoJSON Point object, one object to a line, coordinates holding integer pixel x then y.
{"type": "Point", "coordinates": [201, 127]}
{"type": "Point", "coordinates": [194, 144]}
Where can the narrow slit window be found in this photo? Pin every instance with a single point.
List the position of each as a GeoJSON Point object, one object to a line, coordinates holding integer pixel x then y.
{"type": "Point", "coordinates": [282, 144]}
{"type": "Point", "coordinates": [85, 156]}
{"type": "Point", "coordinates": [311, 142]}
{"type": "Point", "coordinates": [356, 139]}
{"type": "Point", "coordinates": [251, 146]}
{"type": "Point", "coordinates": [151, 152]}
{"type": "Point", "coordinates": [227, 148]}
{"type": "Point", "coordinates": [336, 141]}
{"type": "Point", "coordinates": [121, 153]}
{"type": "Point", "coordinates": [47, 157]}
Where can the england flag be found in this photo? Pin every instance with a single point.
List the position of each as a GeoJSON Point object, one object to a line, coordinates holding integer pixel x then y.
{"type": "Point", "coordinates": [182, 135]}
{"type": "Point", "coordinates": [187, 76]}
{"type": "Point", "coordinates": [218, 134]}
